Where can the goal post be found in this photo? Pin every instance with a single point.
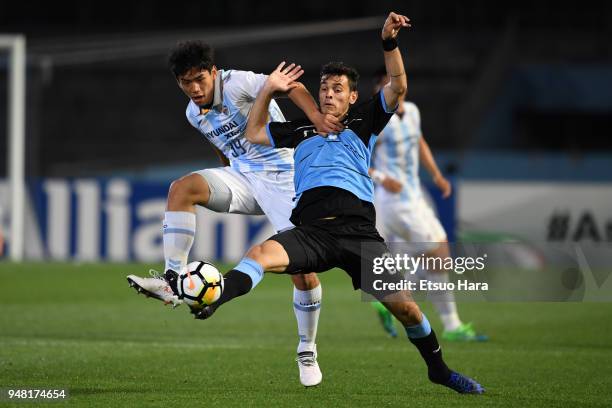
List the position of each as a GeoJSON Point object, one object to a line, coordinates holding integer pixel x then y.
{"type": "Point", "coordinates": [16, 47]}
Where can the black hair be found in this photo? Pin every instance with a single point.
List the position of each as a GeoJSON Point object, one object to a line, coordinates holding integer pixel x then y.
{"type": "Point", "coordinates": [338, 68]}
{"type": "Point", "coordinates": [188, 55]}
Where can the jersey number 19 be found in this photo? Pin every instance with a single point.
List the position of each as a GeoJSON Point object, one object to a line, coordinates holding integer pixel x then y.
{"type": "Point", "coordinates": [237, 148]}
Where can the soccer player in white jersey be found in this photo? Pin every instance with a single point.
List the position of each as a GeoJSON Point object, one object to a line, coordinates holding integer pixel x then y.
{"type": "Point", "coordinates": [258, 180]}
{"type": "Point", "coordinates": [405, 215]}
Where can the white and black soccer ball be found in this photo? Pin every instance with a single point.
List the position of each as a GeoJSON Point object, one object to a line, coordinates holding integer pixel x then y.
{"type": "Point", "coordinates": [200, 284]}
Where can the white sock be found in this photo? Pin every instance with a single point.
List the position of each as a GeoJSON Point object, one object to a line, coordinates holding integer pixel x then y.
{"type": "Point", "coordinates": [450, 320]}
{"type": "Point", "coordinates": [307, 305]}
{"type": "Point", "coordinates": [179, 231]}
{"type": "Point", "coordinates": [444, 302]}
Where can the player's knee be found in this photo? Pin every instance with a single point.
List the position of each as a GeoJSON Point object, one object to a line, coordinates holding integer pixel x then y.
{"type": "Point", "coordinates": [409, 314]}
{"type": "Point", "coordinates": [188, 191]}
{"type": "Point", "coordinates": [270, 255]}
{"type": "Point", "coordinates": [306, 281]}
{"type": "Point", "coordinates": [178, 190]}
{"type": "Point", "coordinates": [260, 253]}
{"type": "Point", "coordinates": [256, 253]}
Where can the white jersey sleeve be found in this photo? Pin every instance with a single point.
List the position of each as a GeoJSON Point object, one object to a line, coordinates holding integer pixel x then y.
{"type": "Point", "coordinates": [192, 113]}
{"type": "Point", "coordinates": [244, 85]}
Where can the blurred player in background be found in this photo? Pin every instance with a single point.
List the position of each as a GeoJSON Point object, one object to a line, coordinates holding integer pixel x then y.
{"type": "Point", "coordinates": [334, 214]}
{"type": "Point", "coordinates": [256, 180]}
{"type": "Point", "coordinates": [403, 213]}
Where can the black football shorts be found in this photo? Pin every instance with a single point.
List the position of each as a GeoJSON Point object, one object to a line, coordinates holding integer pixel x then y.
{"type": "Point", "coordinates": [348, 243]}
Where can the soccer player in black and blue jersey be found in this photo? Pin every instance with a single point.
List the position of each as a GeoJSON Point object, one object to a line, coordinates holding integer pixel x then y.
{"type": "Point", "coordinates": [334, 215]}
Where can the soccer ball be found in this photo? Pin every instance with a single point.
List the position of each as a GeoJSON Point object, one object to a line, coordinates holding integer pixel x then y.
{"type": "Point", "coordinates": [200, 284]}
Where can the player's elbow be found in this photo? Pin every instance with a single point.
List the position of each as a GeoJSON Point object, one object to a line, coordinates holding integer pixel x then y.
{"type": "Point", "coordinates": [400, 88]}
{"type": "Point", "coordinates": [252, 132]}
{"type": "Point", "coordinates": [256, 135]}
{"type": "Point", "coordinates": [249, 134]}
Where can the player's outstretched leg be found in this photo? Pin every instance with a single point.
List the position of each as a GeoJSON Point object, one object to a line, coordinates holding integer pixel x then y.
{"type": "Point", "coordinates": [237, 282]}
{"type": "Point", "coordinates": [307, 305]}
{"type": "Point", "coordinates": [178, 235]}
{"type": "Point", "coordinates": [269, 256]}
{"type": "Point", "coordinates": [179, 229]}
{"type": "Point", "coordinates": [424, 338]}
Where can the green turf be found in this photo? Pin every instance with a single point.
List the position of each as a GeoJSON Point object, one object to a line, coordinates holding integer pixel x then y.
{"type": "Point", "coordinates": [81, 327]}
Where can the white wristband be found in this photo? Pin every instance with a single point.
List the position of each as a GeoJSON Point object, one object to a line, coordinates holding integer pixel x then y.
{"type": "Point", "coordinates": [378, 176]}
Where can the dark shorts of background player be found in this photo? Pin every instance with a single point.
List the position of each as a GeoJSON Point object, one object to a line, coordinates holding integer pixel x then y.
{"type": "Point", "coordinates": [350, 243]}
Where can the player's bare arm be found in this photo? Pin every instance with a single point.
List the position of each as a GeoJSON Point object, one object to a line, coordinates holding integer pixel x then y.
{"type": "Point", "coordinates": [324, 123]}
{"type": "Point", "coordinates": [393, 59]}
{"type": "Point", "coordinates": [389, 183]}
{"type": "Point", "coordinates": [282, 79]}
{"type": "Point", "coordinates": [428, 161]}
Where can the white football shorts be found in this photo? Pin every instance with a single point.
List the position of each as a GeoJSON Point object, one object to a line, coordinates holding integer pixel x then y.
{"type": "Point", "coordinates": [254, 193]}
{"type": "Point", "coordinates": [413, 223]}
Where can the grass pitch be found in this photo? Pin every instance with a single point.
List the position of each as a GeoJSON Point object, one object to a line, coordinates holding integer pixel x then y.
{"type": "Point", "coordinates": [80, 327]}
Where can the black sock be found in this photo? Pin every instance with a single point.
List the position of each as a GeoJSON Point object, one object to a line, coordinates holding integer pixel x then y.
{"type": "Point", "coordinates": [235, 283]}
{"type": "Point", "coordinates": [431, 352]}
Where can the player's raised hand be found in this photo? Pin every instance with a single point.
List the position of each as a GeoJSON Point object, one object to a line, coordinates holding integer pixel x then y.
{"type": "Point", "coordinates": [444, 185]}
{"type": "Point", "coordinates": [393, 24]}
{"type": "Point", "coordinates": [326, 123]}
{"type": "Point", "coordinates": [283, 78]}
